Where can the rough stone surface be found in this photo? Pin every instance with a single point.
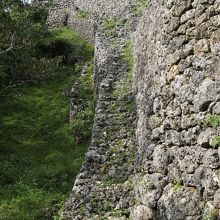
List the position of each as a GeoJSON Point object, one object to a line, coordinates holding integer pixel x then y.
{"type": "Point", "coordinates": [103, 189]}
{"type": "Point", "coordinates": [68, 13]}
{"type": "Point", "coordinates": [177, 81]}
{"type": "Point", "coordinates": [150, 155]}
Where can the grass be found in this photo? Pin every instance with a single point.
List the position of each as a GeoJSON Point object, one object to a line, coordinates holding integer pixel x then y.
{"type": "Point", "coordinates": [142, 2]}
{"type": "Point", "coordinates": [68, 43]}
{"type": "Point", "coordinates": [124, 86]}
{"type": "Point", "coordinates": [40, 155]}
{"type": "Point", "coordinates": [128, 57]}
{"type": "Point", "coordinates": [109, 24]}
{"type": "Point", "coordinates": [140, 7]}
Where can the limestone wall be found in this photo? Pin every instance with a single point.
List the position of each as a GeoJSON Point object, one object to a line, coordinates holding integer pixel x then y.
{"type": "Point", "coordinates": [103, 187]}
{"type": "Point", "coordinates": [177, 76]}
{"type": "Point", "coordinates": [68, 13]}
{"type": "Point", "coordinates": [84, 15]}
{"type": "Point", "coordinates": [168, 170]}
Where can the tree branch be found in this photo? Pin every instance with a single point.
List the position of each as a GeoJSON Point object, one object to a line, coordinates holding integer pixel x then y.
{"type": "Point", "coordinates": [11, 45]}
{"type": "Point", "coordinates": [13, 85]}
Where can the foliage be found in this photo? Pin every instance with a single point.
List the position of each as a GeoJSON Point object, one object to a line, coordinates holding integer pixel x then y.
{"type": "Point", "coordinates": [26, 199]}
{"type": "Point", "coordinates": [215, 141]}
{"type": "Point", "coordinates": [67, 43]}
{"type": "Point", "coordinates": [177, 184]}
{"type": "Point", "coordinates": [82, 14]}
{"type": "Point", "coordinates": [147, 184]}
{"type": "Point", "coordinates": [150, 185]}
{"type": "Point", "coordinates": [118, 213]}
{"type": "Point", "coordinates": [128, 57]}
{"type": "Point", "coordinates": [15, 15]}
{"type": "Point", "coordinates": [124, 86]}
{"type": "Point", "coordinates": [139, 8]}
{"type": "Point", "coordinates": [109, 24]}
{"type": "Point", "coordinates": [39, 152]}
{"type": "Point", "coordinates": [212, 120]}
{"type": "Point", "coordinates": [25, 53]}
{"type": "Point", "coordinates": [83, 121]}
{"type": "Point", "coordinates": [22, 26]}
{"type": "Point", "coordinates": [142, 2]}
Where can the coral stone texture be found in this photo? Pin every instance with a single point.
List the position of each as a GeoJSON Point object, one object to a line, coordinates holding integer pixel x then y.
{"type": "Point", "coordinates": [67, 13]}
{"type": "Point", "coordinates": [151, 155]}
{"type": "Point", "coordinates": [177, 80]}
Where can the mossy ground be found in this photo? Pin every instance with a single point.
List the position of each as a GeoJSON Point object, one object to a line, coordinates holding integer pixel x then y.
{"type": "Point", "coordinates": [39, 154]}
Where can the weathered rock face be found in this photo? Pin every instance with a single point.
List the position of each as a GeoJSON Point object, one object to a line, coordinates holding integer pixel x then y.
{"type": "Point", "coordinates": [67, 13]}
{"type": "Point", "coordinates": [168, 170]}
{"type": "Point", "coordinates": [102, 189]}
{"type": "Point", "coordinates": [177, 77]}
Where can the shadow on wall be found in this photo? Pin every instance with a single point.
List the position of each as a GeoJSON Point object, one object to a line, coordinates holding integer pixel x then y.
{"type": "Point", "coordinates": [67, 44]}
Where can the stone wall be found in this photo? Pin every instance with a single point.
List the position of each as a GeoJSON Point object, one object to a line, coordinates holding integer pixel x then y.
{"type": "Point", "coordinates": [177, 76]}
{"type": "Point", "coordinates": [84, 16]}
{"type": "Point", "coordinates": [168, 170]}
{"type": "Point", "coordinates": [68, 13]}
{"type": "Point", "coordinates": [103, 188]}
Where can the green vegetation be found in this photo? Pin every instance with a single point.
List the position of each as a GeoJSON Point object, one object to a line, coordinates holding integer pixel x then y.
{"type": "Point", "coordinates": [120, 144]}
{"type": "Point", "coordinates": [142, 2]}
{"type": "Point", "coordinates": [67, 44]}
{"type": "Point", "coordinates": [119, 213]}
{"type": "Point", "coordinates": [150, 185]}
{"type": "Point", "coordinates": [22, 27]}
{"type": "Point", "coordinates": [123, 87]}
{"type": "Point", "coordinates": [83, 121]}
{"type": "Point", "coordinates": [147, 184]}
{"type": "Point", "coordinates": [211, 215]}
{"type": "Point", "coordinates": [39, 156]}
{"type": "Point", "coordinates": [41, 152]}
{"type": "Point", "coordinates": [128, 57]}
{"type": "Point", "coordinates": [82, 14]}
{"type": "Point", "coordinates": [215, 142]}
{"type": "Point", "coordinates": [27, 48]}
{"type": "Point", "coordinates": [109, 24]}
{"type": "Point", "coordinates": [213, 121]}
{"type": "Point", "coordinates": [139, 8]}
{"type": "Point", "coordinates": [177, 184]}
{"type": "Point", "coordinates": [82, 210]}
